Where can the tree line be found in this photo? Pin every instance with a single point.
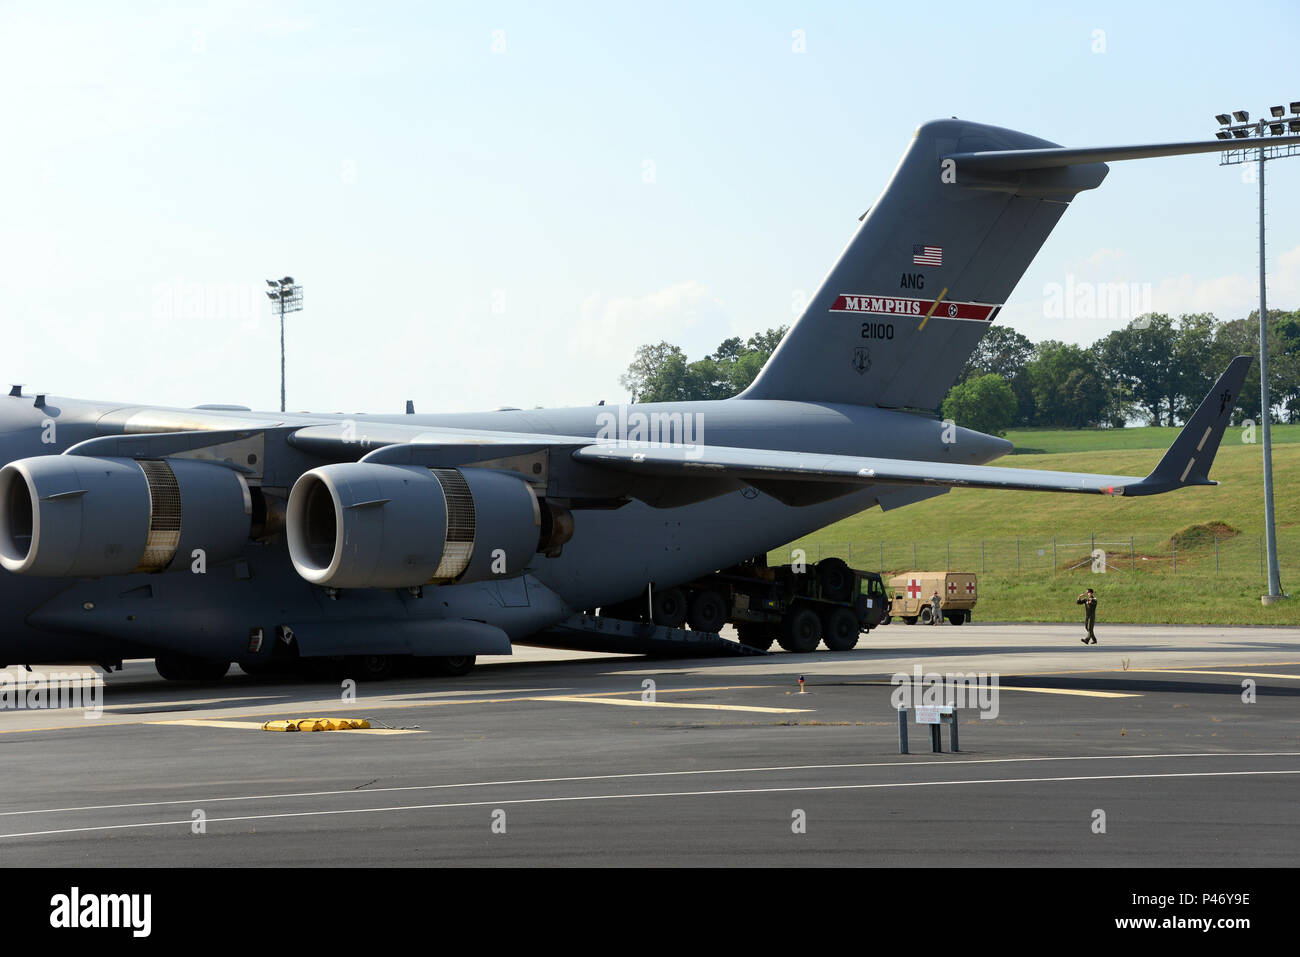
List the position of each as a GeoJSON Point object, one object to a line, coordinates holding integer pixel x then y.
{"type": "Point", "coordinates": [1155, 370]}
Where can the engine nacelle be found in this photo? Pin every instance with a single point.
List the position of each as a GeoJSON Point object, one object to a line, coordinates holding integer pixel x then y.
{"type": "Point", "coordinates": [367, 525]}
{"type": "Point", "coordinates": [76, 516]}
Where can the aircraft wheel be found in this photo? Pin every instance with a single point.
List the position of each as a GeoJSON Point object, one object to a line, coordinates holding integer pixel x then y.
{"type": "Point", "coordinates": [708, 611]}
{"type": "Point", "coordinates": [189, 668]}
{"type": "Point", "coordinates": [835, 578]}
{"type": "Point", "coordinates": [801, 631]}
{"type": "Point", "coordinates": [668, 607]}
{"type": "Point", "coordinates": [455, 666]}
{"type": "Point", "coordinates": [372, 667]}
{"type": "Point", "coordinates": [842, 629]}
{"type": "Point", "coordinates": [756, 636]}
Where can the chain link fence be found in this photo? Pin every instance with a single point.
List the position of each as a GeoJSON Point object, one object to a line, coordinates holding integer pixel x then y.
{"type": "Point", "coordinates": [1203, 554]}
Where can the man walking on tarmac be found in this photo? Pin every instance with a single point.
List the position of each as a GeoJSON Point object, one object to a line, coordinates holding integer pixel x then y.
{"type": "Point", "coordinates": [935, 602]}
{"type": "Point", "coordinates": [1089, 602]}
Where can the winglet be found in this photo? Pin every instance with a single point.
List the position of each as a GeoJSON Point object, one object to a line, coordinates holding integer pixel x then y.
{"type": "Point", "coordinates": [1188, 460]}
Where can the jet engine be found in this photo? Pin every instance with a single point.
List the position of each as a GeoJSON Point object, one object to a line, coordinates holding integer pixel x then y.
{"type": "Point", "coordinates": [368, 525]}
{"type": "Point", "coordinates": [76, 516]}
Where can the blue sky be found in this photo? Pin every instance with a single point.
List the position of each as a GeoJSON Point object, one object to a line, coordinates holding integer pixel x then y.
{"type": "Point", "coordinates": [494, 204]}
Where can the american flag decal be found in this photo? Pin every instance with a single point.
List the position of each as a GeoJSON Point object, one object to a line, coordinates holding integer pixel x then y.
{"type": "Point", "coordinates": [927, 255]}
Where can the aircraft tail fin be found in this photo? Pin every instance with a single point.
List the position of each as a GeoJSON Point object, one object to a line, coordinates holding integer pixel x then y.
{"type": "Point", "coordinates": [925, 274]}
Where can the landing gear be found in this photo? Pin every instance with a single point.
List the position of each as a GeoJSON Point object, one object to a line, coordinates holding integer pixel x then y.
{"type": "Point", "coordinates": [455, 666]}
{"type": "Point", "coordinates": [190, 668]}
{"type": "Point", "coordinates": [372, 667]}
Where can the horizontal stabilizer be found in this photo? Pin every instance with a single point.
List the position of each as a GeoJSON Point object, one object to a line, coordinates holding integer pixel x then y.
{"type": "Point", "coordinates": [1001, 161]}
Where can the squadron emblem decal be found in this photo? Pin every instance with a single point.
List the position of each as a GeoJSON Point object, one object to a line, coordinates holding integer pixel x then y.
{"type": "Point", "coordinates": [861, 359]}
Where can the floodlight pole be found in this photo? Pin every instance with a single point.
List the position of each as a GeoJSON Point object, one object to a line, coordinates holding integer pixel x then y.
{"type": "Point", "coordinates": [288, 298]}
{"type": "Point", "coordinates": [1270, 531]}
{"type": "Point", "coordinates": [282, 354]}
{"type": "Point", "coordinates": [1233, 155]}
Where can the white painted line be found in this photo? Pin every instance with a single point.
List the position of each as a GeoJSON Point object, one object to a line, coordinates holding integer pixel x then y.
{"type": "Point", "coordinates": [656, 794]}
{"type": "Point", "coordinates": [1233, 674]}
{"type": "Point", "coordinates": [1190, 463]}
{"type": "Point", "coordinates": [654, 774]}
{"type": "Point", "coordinates": [1201, 444]}
{"type": "Point", "coordinates": [638, 703]}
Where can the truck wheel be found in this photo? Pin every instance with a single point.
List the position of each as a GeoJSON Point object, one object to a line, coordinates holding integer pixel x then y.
{"type": "Point", "coordinates": [801, 631]}
{"type": "Point", "coordinates": [842, 629]}
{"type": "Point", "coordinates": [668, 607]}
{"type": "Point", "coordinates": [835, 578]}
{"type": "Point", "coordinates": [909, 619]}
{"type": "Point", "coordinates": [926, 615]}
{"type": "Point", "coordinates": [708, 611]}
{"type": "Point", "coordinates": [956, 618]}
{"type": "Point", "coordinates": [756, 636]}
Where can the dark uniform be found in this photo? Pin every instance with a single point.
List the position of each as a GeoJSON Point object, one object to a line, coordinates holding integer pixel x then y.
{"type": "Point", "coordinates": [1089, 602]}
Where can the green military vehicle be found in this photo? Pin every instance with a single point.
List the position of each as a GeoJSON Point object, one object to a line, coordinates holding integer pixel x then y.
{"type": "Point", "coordinates": [796, 606]}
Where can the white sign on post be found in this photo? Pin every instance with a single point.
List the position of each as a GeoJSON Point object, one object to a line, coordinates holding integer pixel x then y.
{"type": "Point", "coordinates": [932, 714]}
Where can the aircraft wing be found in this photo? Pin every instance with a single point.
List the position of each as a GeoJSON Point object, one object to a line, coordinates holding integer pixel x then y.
{"type": "Point", "coordinates": [1187, 462]}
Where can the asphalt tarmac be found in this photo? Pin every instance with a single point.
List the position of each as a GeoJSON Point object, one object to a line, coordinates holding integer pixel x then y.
{"type": "Point", "coordinates": [1159, 746]}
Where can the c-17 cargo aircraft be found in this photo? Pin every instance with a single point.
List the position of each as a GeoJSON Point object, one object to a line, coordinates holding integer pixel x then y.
{"type": "Point", "coordinates": [201, 537]}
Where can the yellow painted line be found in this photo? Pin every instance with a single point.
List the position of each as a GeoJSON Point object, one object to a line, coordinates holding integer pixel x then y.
{"type": "Point", "coordinates": [257, 726]}
{"type": "Point", "coordinates": [1233, 674]}
{"type": "Point", "coordinates": [933, 307]}
{"type": "Point", "coordinates": [1071, 691]}
{"type": "Point", "coordinates": [638, 703]}
{"type": "Point", "coordinates": [1002, 687]}
{"type": "Point", "coordinates": [660, 691]}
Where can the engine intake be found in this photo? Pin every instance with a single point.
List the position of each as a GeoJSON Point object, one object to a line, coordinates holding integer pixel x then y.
{"type": "Point", "coordinates": [74, 516]}
{"type": "Point", "coordinates": [367, 525]}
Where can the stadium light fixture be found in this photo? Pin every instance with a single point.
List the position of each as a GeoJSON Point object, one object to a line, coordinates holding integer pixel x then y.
{"type": "Point", "coordinates": [287, 298]}
{"type": "Point", "coordinates": [1259, 152]}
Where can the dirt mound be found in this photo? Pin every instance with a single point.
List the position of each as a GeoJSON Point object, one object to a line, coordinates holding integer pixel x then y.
{"type": "Point", "coordinates": [1202, 535]}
